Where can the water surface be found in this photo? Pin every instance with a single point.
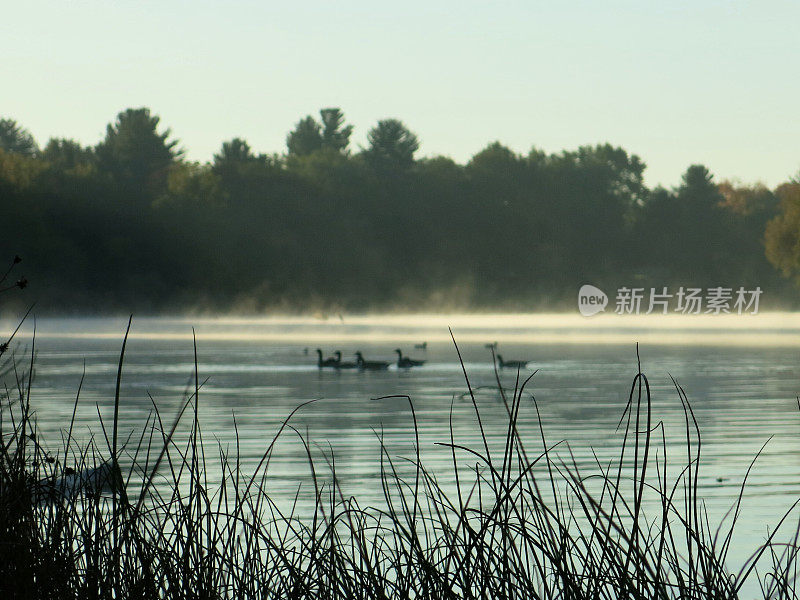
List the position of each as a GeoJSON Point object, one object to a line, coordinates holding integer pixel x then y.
{"type": "Point", "coordinates": [740, 373]}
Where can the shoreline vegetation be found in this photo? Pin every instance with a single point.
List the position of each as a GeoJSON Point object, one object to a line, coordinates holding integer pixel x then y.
{"type": "Point", "coordinates": [130, 224]}
{"type": "Point", "coordinates": [137, 518]}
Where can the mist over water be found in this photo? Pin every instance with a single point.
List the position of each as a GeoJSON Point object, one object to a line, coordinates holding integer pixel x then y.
{"type": "Point", "coordinates": [739, 372]}
{"type": "Point", "coordinates": [778, 329]}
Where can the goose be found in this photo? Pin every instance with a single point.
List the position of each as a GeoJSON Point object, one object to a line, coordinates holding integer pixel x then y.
{"type": "Point", "coordinates": [511, 364]}
{"type": "Point", "coordinates": [343, 365]}
{"type": "Point", "coordinates": [328, 362]}
{"type": "Point", "coordinates": [403, 362]}
{"type": "Point", "coordinates": [422, 346]}
{"type": "Point", "coordinates": [102, 479]}
{"type": "Point", "coordinates": [370, 365]}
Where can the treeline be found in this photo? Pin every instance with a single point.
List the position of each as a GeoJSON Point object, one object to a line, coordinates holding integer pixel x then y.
{"type": "Point", "coordinates": [130, 224]}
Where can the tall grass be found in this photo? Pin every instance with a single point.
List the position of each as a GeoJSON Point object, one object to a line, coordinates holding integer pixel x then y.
{"type": "Point", "coordinates": [521, 521]}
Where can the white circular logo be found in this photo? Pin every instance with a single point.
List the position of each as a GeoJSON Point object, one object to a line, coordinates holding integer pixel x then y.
{"type": "Point", "coordinates": [591, 300]}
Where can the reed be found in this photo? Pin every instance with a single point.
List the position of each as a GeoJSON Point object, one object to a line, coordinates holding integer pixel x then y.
{"type": "Point", "coordinates": [521, 521]}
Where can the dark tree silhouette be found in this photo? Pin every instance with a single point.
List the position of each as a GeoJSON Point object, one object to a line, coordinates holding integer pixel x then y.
{"type": "Point", "coordinates": [391, 145]}
{"type": "Point", "coordinates": [697, 185]}
{"type": "Point", "coordinates": [309, 136]}
{"type": "Point", "coordinates": [305, 138]}
{"type": "Point", "coordinates": [135, 153]}
{"type": "Point", "coordinates": [624, 173]}
{"type": "Point", "coordinates": [335, 134]}
{"type": "Point", "coordinates": [235, 151]}
{"type": "Point", "coordinates": [67, 154]}
{"type": "Point", "coordinates": [14, 138]}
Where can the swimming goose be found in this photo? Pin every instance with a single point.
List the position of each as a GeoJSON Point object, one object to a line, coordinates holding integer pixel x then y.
{"type": "Point", "coordinates": [328, 362]}
{"type": "Point", "coordinates": [511, 364]}
{"type": "Point", "coordinates": [422, 346]}
{"type": "Point", "coordinates": [106, 478]}
{"type": "Point", "coordinates": [403, 362]}
{"type": "Point", "coordinates": [370, 365]}
{"type": "Point", "coordinates": [343, 365]}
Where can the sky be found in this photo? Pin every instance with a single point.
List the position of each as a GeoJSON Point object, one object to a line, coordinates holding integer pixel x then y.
{"type": "Point", "coordinates": [675, 82]}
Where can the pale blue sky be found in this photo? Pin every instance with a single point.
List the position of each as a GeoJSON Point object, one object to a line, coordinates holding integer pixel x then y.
{"type": "Point", "coordinates": [677, 83]}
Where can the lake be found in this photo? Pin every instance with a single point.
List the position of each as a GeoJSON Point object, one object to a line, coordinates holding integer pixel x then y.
{"type": "Point", "coordinates": [739, 372]}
